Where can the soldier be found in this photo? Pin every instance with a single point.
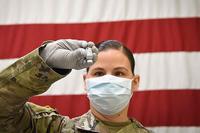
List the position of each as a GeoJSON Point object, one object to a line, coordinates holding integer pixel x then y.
{"type": "Point", "coordinates": [110, 83]}
{"type": "Point", "coordinates": [35, 72]}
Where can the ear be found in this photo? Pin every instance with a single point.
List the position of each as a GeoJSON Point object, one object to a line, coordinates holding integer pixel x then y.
{"type": "Point", "coordinates": [135, 82]}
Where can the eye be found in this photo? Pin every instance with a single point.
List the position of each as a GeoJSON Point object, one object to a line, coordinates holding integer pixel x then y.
{"type": "Point", "coordinates": [98, 74]}
{"type": "Point", "coordinates": [119, 74]}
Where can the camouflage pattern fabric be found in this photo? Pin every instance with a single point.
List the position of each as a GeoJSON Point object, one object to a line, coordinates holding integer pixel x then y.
{"type": "Point", "coordinates": [27, 77]}
{"type": "Point", "coordinates": [88, 123]}
{"type": "Point", "coordinates": [30, 76]}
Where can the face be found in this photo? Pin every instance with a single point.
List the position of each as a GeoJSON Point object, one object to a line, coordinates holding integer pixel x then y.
{"type": "Point", "coordinates": [113, 62]}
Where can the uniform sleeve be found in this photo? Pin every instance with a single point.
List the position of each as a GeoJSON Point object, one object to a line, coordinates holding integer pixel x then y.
{"type": "Point", "coordinates": [45, 119]}
{"type": "Point", "coordinates": [26, 77]}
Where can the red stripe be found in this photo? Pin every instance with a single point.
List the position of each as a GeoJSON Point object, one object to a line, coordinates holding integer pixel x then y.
{"type": "Point", "coordinates": [152, 108]}
{"type": "Point", "coordinates": [141, 36]}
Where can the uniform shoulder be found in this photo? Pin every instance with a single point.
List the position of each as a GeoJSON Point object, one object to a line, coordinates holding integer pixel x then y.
{"type": "Point", "coordinates": [37, 109]}
{"type": "Point", "coordinates": [141, 129]}
{"type": "Point", "coordinates": [46, 118]}
{"type": "Point", "coordinates": [85, 122]}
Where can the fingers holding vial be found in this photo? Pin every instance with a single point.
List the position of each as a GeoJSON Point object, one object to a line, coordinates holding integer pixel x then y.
{"type": "Point", "coordinates": [89, 56]}
{"type": "Point", "coordinates": [92, 52]}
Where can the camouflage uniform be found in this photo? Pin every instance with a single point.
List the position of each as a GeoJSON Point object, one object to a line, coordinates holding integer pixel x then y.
{"type": "Point", "coordinates": [89, 123]}
{"type": "Point", "coordinates": [27, 77]}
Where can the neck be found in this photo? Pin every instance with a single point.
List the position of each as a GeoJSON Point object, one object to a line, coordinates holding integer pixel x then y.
{"type": "Point", "coordinates": [119, 117]}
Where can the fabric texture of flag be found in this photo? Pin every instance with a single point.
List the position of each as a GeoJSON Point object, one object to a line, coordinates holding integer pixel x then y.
{"type": "Point", "coordinates": [164, 37]}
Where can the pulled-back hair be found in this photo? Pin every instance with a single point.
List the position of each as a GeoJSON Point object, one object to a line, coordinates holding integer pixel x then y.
{"type": "Point", "coordinates": [114, 44]}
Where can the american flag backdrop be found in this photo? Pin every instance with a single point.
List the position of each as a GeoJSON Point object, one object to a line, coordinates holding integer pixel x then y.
{"type": "Point", "coordinates": [164, 36]}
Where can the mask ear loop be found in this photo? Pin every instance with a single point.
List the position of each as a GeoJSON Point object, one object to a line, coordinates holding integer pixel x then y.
{"type": "Point", "coordinates": [132, 90]}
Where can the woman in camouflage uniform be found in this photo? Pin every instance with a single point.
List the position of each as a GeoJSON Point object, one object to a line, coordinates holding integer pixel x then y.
{"type": "Point", "coordinates": [110, 84]}
{"type": "Point", "coordinates": [33, 74]}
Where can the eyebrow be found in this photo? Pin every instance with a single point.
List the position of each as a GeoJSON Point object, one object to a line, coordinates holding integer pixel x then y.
{"type": "Point", "coordinates": [119, 68]}
{"type": "Point", "coordinates": [98, 68]}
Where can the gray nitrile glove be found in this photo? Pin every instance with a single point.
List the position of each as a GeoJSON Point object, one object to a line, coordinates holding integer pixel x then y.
{"type": "Point", "coordinates": [69, 54]}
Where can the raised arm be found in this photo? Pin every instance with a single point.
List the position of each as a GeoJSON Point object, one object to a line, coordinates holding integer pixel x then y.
{"type": "Point", "coordinates": [30, 75]}
{"type": "Point", "coordinates": [26, 77]}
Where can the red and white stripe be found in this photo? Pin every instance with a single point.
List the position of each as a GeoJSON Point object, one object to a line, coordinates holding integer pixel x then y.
{"type": "Point", "coordinates": [78, 11]}
{"type": "Point", "coordinates": [164, 37]}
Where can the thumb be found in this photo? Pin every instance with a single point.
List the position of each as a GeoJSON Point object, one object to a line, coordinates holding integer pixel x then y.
{"type": "Point", "coordinates": [79, 53]}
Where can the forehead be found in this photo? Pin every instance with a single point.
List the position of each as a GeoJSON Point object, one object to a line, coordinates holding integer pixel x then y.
{"type": "Point", "coordinates": [110, 59]}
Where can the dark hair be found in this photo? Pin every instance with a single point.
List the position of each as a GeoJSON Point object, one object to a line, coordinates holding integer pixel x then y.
{"type": "Point", "coordinates": [114, 44]}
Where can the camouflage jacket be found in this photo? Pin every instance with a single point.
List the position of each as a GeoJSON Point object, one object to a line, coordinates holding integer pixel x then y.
{"type": "Point", "coordinates": [30, 76]}
{"type": "Point", "coordinates": [88, 123]}
{"type": "Point", "coordinates": [27, 77]}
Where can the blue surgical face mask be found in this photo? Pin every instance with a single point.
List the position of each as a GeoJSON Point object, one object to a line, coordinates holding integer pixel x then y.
{"type": "Point", "coordinates": [109, 94]}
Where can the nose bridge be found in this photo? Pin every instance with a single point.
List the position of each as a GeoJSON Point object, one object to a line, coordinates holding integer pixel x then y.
{"type": "Point", "coordinates": [109, 72]}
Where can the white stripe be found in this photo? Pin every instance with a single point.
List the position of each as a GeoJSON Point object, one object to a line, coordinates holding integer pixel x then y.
{"type": "Point", "coordinates": [172, 70]}
{"type": "Point", "coordinates": [158, 71]}
{"type": "Point", "coordinates": [175, 129]}
{"type": "Point", "coordinates": [6, 62]}
{"type": "Point", "coordinates": [79, 11]}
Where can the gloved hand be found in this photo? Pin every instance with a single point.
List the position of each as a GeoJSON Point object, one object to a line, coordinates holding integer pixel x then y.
{"type": "Point", "coordinates": [69, 54]}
